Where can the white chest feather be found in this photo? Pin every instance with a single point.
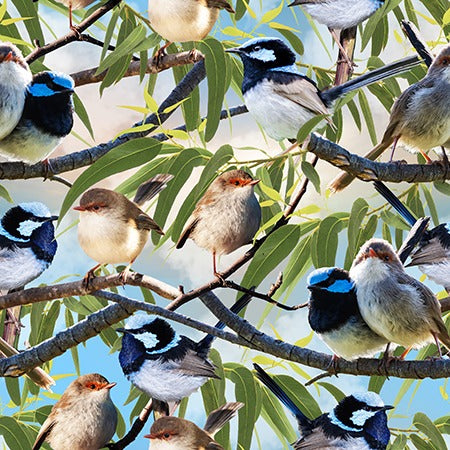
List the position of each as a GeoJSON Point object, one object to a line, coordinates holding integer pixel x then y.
{"type": "Point", "coordinates": [339, 14]}
{"type": "Point", "coordinates": [181, 21]}
{"type": "Point", "coordinates": [164, 382]}
{"type": "Point", "coordinates": [439, 272]}
{"type": "Point", "coordinates": [19, 267]}
{"type": "Point", "coordinates": [279, 117]}
{"type": "Point", "coordinates": [109, 241]}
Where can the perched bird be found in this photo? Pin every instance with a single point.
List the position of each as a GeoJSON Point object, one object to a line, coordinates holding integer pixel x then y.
{"type": "Point", "coordinates": [84, 418]}
{"type": "Point", "coordinates": [339, 14]}
{"type": "Point", "coordinates": [357, 422]}
{"type": "Point", "coordinates": [226, 217]}
{"type": "Point", "coordinates": [334, 315]}
{"type": "Point", "coordinates": [420, 117]}
{"type": "Point", "coordinates": [163, 364]}
{"type": "Point", "coordinates": [27, 244]}
{"type": "Point", "coordinates": [281, 99]}
{"type": "Point", "coordinates": [394, 304]}
{"type": "Point", "coordinates": [433, 252]}
{"type": "Point", "coordinates": [113, 229]}
{"type": "Point", "coordinates": [15, 75]}
{"type": "Point", "coordinates": [184, 20]}
{"type": "Point", "coordinates": [175, 433]}
{"type": "Point", "coordinates": [47, 117]}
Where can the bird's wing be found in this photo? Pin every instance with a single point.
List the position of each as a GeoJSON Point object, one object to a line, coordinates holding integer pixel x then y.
{"type": "Point", "coordinates": [221, 4]}
{"type": "Point", "coordinates": [316, 440]}
{"type": "Point", "coordinates": [303, 92]}
{"type": "Point", "coordinates": [146, 191]}
{"type": "Point", "coordinates": [145, 222]}
{"type": "Point", "coordinates": [187, 232]}
{"type": "Point", "coordinates": [219, 417]}
{"type": "Point", "coordinates": [192, 364]}
{"type": "Point", "coordinates": [214, 446]}
{"type": "Point", "coordinates": [43, 433]}
{"type": "Point", "coordinates": [431, 252]}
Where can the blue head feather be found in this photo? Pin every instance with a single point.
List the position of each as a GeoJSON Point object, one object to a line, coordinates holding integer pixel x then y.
{"type": "Point", "coordinates": [41, 88]}
{"type": "Point", "coordinates": [62, 79]}
{"type": "Point", "coordinates": [377, 428]}
{"type": "Point", "coordinates": [341, 286]}
{"type": "Point", "coordinates": [36, 208]}
{"type": "Point", "coordinates": [319, 275]}
{"type": "Point", "coordinates": [44, 239]}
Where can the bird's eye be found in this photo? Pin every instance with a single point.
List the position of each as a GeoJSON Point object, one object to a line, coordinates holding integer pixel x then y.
{"type": "Point", "coordinates": [386, 258]}
{"type": "Point", "coordinates": [236, 183]}
{"type": "Point", "coordinates": [166, 435]}
{"type": "Point", "coordinates": [92, 386]}
{"type": "Point", "coordinates": [96, 207]}
{"type": "Point", "coordinates": [257, 48]}
{"type": "Point", "coordinates": [445, 61]}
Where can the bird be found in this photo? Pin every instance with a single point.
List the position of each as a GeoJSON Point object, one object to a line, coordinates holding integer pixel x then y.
{"type": "Point", "coordinates": [334, 315]}
{"type": "Point", "coordinates": [84, 418]}
{"type": "Point", "coordinates": [420, 117]}
{"type": "Point", "coordinates": [339, 14]}
{"type": "Point", "coordinates": [27, 244]}
{"type": "Point", "coordinates": [394, 304]}
{"type": "Point", "coordinates": [357, 422]}
{"type": "Point", "coordinates": [165, 365]}
{"type": "Point", "coordinates": [176, 433]}
{"type": "Point", "coordinates": [281, 99]}
{"type": "Point", "coordinates": [47, 118]}
{"type": "Point", "coordinates": [15, 76]}
{"type": "Point", "coordinates": [226, 217]}
{"type": "Point", "coordinates": [432, 254]}
{"type": "Point", "coordinates": [184, 20]}
{"type": "Point", "coordinates": [113, 229]}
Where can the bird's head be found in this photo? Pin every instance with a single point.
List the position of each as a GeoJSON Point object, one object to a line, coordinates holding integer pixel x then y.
{"type": "Point", "coordinates": [99, 202]}
{"type": "Point", "coordinates": [353, 412]}
{"type": "Point", "coordinates": [441, 64]}
{"type": "Point", "coordinates": [174, 432]}
{"type": "Point", "coordinates": [378, 253]}
{"type": "Point", "coordinates": [93, 386]}
{"type": "Point", "coordinates": [232, 182]}
{"type": "Point", "coordinates": [330, 279]}
{"type": "Point", "coordinates": [51, 84]}
{"type": "Point", "coordinates": [12, 60]}
{"type": "Point", "coordinates": [265, 53]}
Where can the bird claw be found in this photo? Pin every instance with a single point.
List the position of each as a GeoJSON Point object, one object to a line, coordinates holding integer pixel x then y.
{"type": "Point", "coordinates": [332, 367]}
{"type": "Point", "coordinates": [220, 277]}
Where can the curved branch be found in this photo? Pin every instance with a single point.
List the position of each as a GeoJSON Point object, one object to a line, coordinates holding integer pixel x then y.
{"type": "Point", "coordinates": [72, 35]}
{"type": "Point", "coordinates": [368, 170]}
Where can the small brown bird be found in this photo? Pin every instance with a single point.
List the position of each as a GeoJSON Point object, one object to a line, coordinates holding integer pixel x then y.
{"type": "Point", "coordinates": [184, 20]}
{"type": "Point", "coordinates": [113, 229]}
{"type": "Point", "coordinates": [175, 433]}
{"type": "Point", "coordinates": [84, 418]}
{"type": "Point", "coordinates": [226, 217]}
{"type": "Point", "coordinates": [420, 117]}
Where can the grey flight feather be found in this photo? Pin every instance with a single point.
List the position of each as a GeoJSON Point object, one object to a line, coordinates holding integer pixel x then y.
{"type": "Point", "coordinates": [219, 417]}
{"type": "Point", "coordinates": [146, 191]}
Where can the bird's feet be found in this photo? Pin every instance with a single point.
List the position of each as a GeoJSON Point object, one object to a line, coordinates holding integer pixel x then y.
{"type": "Point", "coordinates": [90, 275]}
{"type": "Point", "coordinates": [159, 55]}
{"type": "Point", "coordinates": [332, 367]}
{"type": "Point", "coordinates": [220, 277]}
{"type": "Point", "coordinates": [123, 276]}
{"type": "Point", "coordinates": [48, 169]}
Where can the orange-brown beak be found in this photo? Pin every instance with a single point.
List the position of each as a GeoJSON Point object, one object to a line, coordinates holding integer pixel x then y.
{"type": "Point", "coordinates": [9, 57]}
{"type": "Point", "coordinates": [253, 182]}
{"type": "Point", "coordinates": [372, 253]}
{"type": "Point", "coordinates": [79, 208]}
{"type": "Point", "coordinates": [110, 386]}
{"type": "Point", "coordinates": [150, 436]}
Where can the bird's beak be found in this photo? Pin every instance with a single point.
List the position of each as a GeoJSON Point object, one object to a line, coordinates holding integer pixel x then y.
{"type": "Point", "coordinates": [52, 218]}
{"type": "Point", "coordinates": [236, 50]}
{"type": "Point", "coordinates": [9, 57]}
{"type": "Point", "coordinates": [386, 407]}
{"type": "Point", "coordinates": [79, 208]}
{"type": "Point", "coordinates": [65, 91]}
{"type": "Point", "coordinates": [109, 386]}
{"type": "Point", "coordinates": [150, 436]}
{"type": "Point", "coordinates": [122, 330]}
{"type": "Point", "coordinates": [253, 182]}
{"type": "Point", "coordinates": [295, 2]}
{"type": "Point", "coordinates": [372, 253]}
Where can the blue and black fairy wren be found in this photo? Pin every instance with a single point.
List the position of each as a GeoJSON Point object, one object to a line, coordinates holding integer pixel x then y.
{"type": "Point", "coordinates": [46, 119]}
{"type": "Point", "coordinates": [334, 315]}
{"type": "Point", "coordinates": [15, 75]}
{"type": "Point", "coordinates": [357, 422]}
{"type": "Point", "coordinates": [281, 99]}
{"type": "Point", "coordinates": [28, 245]}
{"type": "Point", "coordinates": [163, 364]}
{"type": "Point", "coordinates": [433, 252]}
{"type": "Point", "coordinates": [394, 304]}
{"type": "Point", "coordinates": [339, 14]}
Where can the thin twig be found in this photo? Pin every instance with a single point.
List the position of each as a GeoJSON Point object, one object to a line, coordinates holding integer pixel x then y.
{"type": "Point", "coordinates": [92, 40]}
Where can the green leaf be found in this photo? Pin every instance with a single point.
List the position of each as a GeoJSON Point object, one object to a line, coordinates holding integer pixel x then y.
{"type": "Point", "coordinates": [125, 156]}
{"type": "Point", "coordinates": [29, 10]}
{"type": "Point", "coordinates": [357, 214]}
{"type": "Point", "coordinates": [312, 175]}
{"type": "Point", "coordinates": [442, 186]}
{"type": "Point", "coordinates": [367, 113]}
{"type": "Point", "coordinates": [14, 434]}
{"type": "Point", "coordinates": [12, 385]}
{"type": "Point", "coordinates": [325, 242]}
{"type": "Point", "coordinates": [427, 427]}
{"type": "Point", "coordinates": [81, 112]}
{"type": "Point", "coordinates": [5, 194]}
{"type": "Point", "coordinates": [333, 390]}
{"type": "Point", "coordinates": [399, 442]}
{"type": "Point", "coordinates": [309, 126]}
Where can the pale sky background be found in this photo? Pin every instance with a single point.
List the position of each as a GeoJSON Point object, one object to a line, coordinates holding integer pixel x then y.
{"type": "Point", "coordinates": [192, 266]}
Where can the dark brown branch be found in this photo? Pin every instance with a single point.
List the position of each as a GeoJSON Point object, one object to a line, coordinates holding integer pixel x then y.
{"type": "Point", "coordinates": [367, 170]}
{"type": "Point", "coordinates": [168, 61]}
{"type": "Point", "coordinates": [343, 71]}
{"type": "Point", "coordinates": [72, 35]}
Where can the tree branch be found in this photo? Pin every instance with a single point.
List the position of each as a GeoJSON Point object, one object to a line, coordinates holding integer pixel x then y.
{"type": "Point", "coordinates": [367, 170]}
{"type": "Point", "coordinates": [72, 35]}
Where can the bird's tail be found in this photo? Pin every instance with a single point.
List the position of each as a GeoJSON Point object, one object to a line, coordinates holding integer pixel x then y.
{"type": "Point", "coordinates": [276, 389]}
{"type": "Point", "coordinates": [414, 237]}
{"type": "Point", "coordinates": [344, 179]}
{"type": "Point", "coordinates": [218, 418]}
{"type": "Point", "coordinates": [146, 191]}
{"type": "Point", "coordinates": [382, 189]}
{"type": "Point", "coordinates": [389, 70]}
{"type": "Point", "coordinates": [236, 308]}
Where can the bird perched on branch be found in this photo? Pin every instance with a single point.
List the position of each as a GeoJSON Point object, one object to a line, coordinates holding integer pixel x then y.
{"type": "Point", "coordinates": [226, 217]}
{"type": "Point", "coordinates": [176, 433]}
{"type": "Point", "coordinates": [184, 20]}
{"type": "Point", "coordinates": [334, 315]}
{"type": "Point", "coordinates": [358, 421]}
{"type": "Point", "coordinates": [15, 75]}
{"type": "Point", "coordinates": [113, 229]}
{"type": "Point", "coordinates": [420, 117]}
{"type": "Point", "coordinates": [163, 364]}
{"type": "Point", "coordinates": [281, 99]}
{"type": "Point", "coordinates": [394, 304]}
{"type": "Point", "coordinates": [47, 117]}
{"type": "Point", "coordinates": [339, 14]}
{"type": "Point", "coordinates": [433, 251]}
{"type": "Point", "coordinates": [84, 418]}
